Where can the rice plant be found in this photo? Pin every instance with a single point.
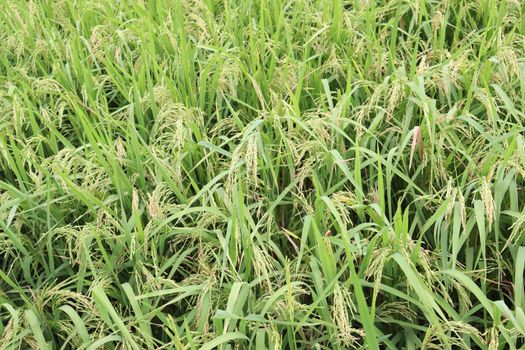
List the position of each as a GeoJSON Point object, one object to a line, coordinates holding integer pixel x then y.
{"type": "Point", "coordinates": [271, 174]}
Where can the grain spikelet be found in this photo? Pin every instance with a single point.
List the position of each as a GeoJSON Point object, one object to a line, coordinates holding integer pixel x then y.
{"type": "Point", "coordinates": [488, 201]}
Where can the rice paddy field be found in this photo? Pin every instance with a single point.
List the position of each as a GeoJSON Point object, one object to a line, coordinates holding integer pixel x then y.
{"type": "Point", "coordinates": [262, 174]}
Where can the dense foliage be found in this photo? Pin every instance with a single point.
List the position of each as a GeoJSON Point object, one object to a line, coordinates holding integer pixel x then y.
{"type": "Point", "coordinates": [312, 174]}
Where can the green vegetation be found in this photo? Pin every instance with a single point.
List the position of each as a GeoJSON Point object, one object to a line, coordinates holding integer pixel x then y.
{"type": "Point", "coordinates": [267, 174]}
